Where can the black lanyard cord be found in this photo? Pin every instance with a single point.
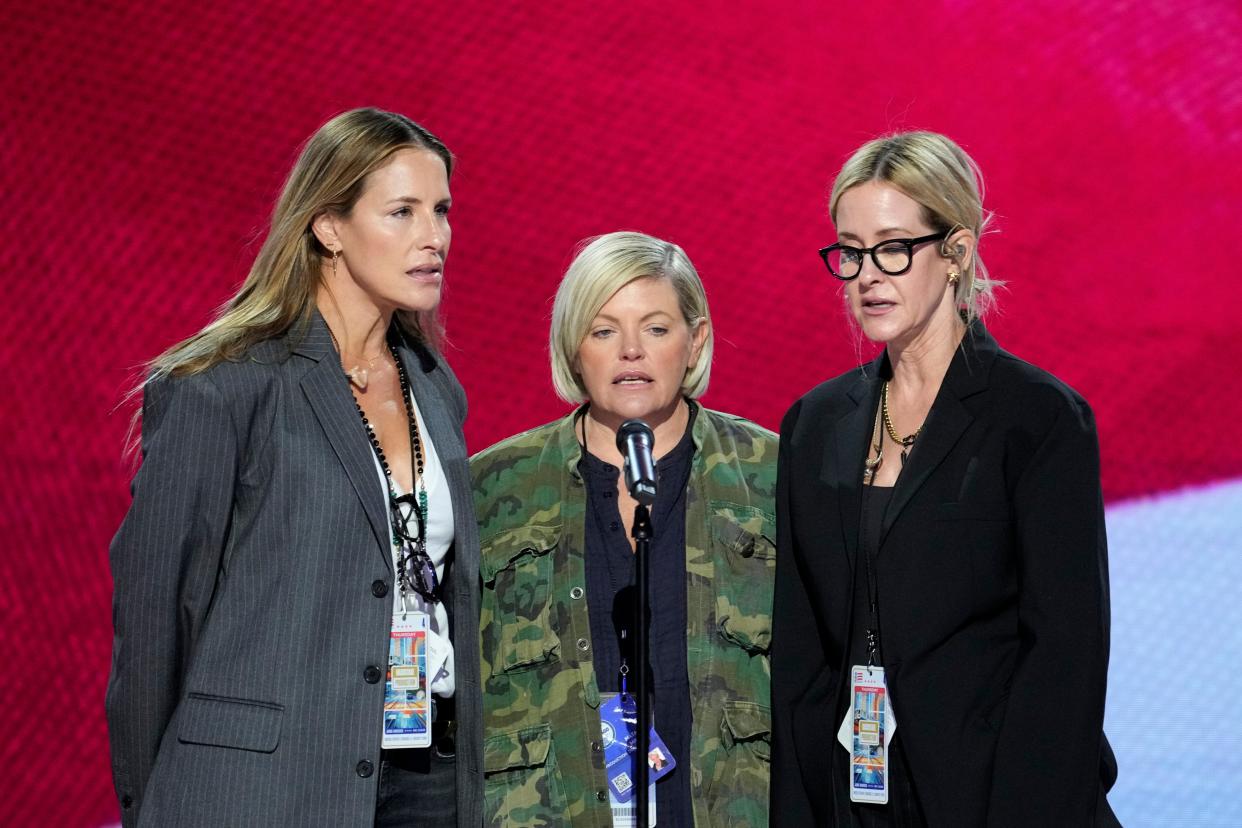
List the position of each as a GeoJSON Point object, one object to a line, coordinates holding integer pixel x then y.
{"type": "Point", "coordinates": [874, 651]}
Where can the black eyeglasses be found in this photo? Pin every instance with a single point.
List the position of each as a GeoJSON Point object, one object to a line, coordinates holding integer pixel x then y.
{"type": "Point", "coordinates": [892, 256]}
{"type": "Point", "coordinates": [415, 569]}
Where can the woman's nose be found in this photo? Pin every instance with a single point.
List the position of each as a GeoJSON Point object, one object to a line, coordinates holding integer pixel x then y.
{"type": "Point", "coordinates": [631, 347]}
{"type": "Point", "coordinates": [869, 272]}
{"type": "Point", "coordinates": [435, 234]}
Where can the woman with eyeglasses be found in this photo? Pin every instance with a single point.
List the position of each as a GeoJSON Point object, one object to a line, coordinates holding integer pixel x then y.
{"type": "Point", "coordinates": [940, 641]}
{"type": "Point", "coordinates": [296, 580]}
{"type": "Point", "coordinates": [631, 338]}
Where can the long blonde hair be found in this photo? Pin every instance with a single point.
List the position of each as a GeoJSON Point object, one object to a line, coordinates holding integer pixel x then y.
{"type": "Point", "coordinates": [279, 291]}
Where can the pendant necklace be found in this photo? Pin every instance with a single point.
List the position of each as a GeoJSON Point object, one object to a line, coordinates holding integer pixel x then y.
{"type": "Point", "coordinates": [357, 375]}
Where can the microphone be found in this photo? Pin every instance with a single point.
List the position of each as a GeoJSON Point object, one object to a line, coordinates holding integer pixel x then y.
{"type": "Point", "coordinates": [635, 441]}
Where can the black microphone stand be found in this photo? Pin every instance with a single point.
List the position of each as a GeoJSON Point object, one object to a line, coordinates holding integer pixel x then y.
{"type": "Point", "coordinates": [642, 547]}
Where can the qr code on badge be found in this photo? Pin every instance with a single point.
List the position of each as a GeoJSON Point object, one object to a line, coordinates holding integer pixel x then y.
{"type": "Point", "coordinates": [622, 783]}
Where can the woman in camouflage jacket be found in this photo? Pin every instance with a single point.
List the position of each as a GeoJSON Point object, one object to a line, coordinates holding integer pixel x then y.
{"type": "Point", "coordinates": [631, 337]}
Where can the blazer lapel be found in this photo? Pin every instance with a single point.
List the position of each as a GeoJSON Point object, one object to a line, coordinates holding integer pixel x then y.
{"type": "Point", "coordinates": [420, 367]}
{"type": "Point", "coordinates": [848, 454]}
{"type": "Point", "coordinates": [328, 393]}
{"type": "Point", "coordinates": [948, 419]}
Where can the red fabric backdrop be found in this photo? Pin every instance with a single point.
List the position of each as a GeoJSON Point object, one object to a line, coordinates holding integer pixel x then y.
{"type": "Point", "coordinates": [141, 147]}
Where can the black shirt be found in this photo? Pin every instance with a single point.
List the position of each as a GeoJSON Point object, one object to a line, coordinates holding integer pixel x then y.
{"type": "Point", "coordinates": [609, 570]}
{"type": "Point", "coordinates": [903, 807]}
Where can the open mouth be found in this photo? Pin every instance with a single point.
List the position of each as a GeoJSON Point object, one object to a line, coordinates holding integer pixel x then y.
{"type": "Point", "coordinates": [632, 379]}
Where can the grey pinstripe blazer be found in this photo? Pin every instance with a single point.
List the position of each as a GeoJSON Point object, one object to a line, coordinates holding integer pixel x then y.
{"type": "Point", "coordinates": [252, 590]}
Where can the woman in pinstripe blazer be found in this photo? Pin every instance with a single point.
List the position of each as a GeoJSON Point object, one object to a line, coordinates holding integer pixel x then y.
{"type": "Point", "coordinates": [268, 548]}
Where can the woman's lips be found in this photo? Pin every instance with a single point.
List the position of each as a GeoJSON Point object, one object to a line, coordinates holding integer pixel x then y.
{"type": "Point", "coordinates": [425, 274]}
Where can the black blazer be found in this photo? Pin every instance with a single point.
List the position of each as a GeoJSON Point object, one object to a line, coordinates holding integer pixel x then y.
{"type": "Point", "coordinates": [993, 597]}
{"type": "Point", "coordinates": [253, 577]}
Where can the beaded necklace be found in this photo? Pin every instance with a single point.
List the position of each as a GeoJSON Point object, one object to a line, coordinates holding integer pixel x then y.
{"type": "Point", "coordinates": [415, 570]}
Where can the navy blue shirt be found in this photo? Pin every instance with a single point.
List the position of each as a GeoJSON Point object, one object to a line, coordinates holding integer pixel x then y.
{"type": "Point", "coordinates": [610, 573]}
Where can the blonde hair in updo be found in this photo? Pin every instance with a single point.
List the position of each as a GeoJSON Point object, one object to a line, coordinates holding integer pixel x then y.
{"type": "Point", "coordinates": [934, 171]}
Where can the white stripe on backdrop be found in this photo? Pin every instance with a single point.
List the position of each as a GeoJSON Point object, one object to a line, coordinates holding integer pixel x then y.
{"type": "Point", "coordinates": [1175, 678]}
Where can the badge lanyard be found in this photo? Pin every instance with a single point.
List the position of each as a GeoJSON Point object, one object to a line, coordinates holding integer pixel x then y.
{"type": "Point", "coordinates": [869, 724]}
{"type": "Point", "coordinates": [619, 729]}
{"type": "Point", "coordinates": [407, 686]}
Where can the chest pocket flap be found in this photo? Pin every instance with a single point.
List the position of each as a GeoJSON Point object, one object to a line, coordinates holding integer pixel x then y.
{"type": "Point", "coordinates": [517, 572]}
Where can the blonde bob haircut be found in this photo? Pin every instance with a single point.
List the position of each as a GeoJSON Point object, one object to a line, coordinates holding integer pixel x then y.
{"type": "Point", "coordinates": [604, 265]}
{"type": "Point", "coordinates": [279, 291]}
{"type": "Point", "coordinates": [938, 174]}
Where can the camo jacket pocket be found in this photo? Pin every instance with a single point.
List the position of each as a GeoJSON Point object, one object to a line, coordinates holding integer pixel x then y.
{"type": "Point", "coordinates": [522, 783]}
{"type": "Point", "coordinates": [744, 540]}
{"type": "Point", "coordinates": [739, 791]}
{"type": "Point", "coordinates": [517, 570]}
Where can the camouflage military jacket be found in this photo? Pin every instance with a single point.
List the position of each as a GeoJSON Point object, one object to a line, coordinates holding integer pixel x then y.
{"type": "Point", "coordinates": [543, 761]}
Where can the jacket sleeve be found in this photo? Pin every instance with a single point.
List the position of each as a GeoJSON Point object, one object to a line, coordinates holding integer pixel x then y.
{"type": "Point", "coordinates": [164, 560]}
{"type": "Point", "coordinates": [1047, 766]}
{"type": "Point", "coordinates": [797, 653]}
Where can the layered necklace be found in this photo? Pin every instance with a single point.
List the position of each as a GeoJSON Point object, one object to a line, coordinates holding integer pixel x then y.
{"type": "Point", "coordinates": [415, 570]}
{"type": "Point", "coordinates": [872, 466]}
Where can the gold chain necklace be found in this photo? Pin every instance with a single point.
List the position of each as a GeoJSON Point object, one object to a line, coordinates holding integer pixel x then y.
{"type": "Point", "coordinates": [905, 442]}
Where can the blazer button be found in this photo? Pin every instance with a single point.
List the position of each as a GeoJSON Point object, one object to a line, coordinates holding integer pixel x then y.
{"type": "Point", "coordinates": [602, 796]}
{"type": "Point", "coordinates": [127, 801]}
{"type": "Point", "coordinates": [365, 768]}
{"type": "Point", "coordinates": [596, 747]}
{"type": "Point", "coordinates": [379, 589]}
{"type": "Point", "coordinates": [371, 674]}
{"type": "Point", "coordinates": [583, 644]}
{"type": "Point", "coordinates": [576, 593]}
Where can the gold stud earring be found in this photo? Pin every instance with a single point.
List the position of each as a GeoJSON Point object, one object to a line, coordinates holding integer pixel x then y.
{"type": "Point", "coordinates": [954, 276]}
